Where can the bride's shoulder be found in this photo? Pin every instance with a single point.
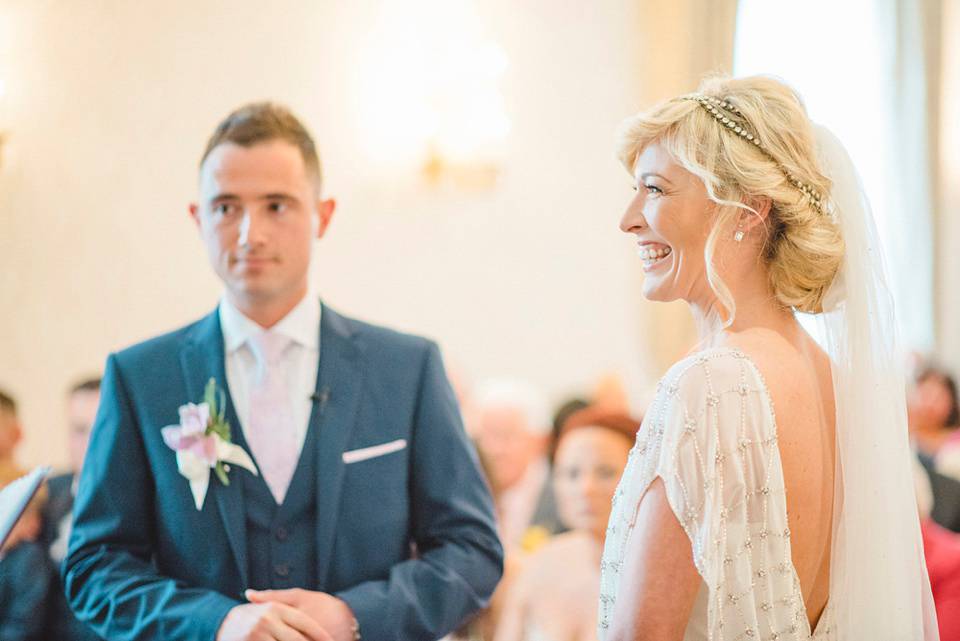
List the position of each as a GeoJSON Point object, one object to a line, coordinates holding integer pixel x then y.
{"type": "Point", "coordinates": [716, 366]}
{"type": "Point", "coordinates": [784, 363]}
{"type": "Point", "coordinates": [705, 379]}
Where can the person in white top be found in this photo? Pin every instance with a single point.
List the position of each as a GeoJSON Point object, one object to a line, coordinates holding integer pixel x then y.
{"type": "Point", "coordinates": [768, 495]}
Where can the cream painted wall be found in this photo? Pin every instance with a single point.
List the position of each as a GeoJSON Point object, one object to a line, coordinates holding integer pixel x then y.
{"type": "Point", "coordinates": [108, 105]}
{"type": "Point", "coordinates": [948, 223]}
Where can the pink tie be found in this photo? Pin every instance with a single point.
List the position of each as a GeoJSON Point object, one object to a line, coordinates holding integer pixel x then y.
{"type": "Point", "coordinates": [270, 418]}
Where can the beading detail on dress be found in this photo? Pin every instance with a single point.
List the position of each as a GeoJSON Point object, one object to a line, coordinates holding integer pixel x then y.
{"type": "Point", "coordinates": [710, 435]}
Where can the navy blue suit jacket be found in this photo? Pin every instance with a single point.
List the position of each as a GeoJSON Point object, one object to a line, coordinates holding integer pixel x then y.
{"type": "Point", "coordinates": [406, 539]}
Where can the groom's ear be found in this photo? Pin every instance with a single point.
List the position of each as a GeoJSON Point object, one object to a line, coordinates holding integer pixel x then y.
{"type": "Point", "coordinates": [324, 214]}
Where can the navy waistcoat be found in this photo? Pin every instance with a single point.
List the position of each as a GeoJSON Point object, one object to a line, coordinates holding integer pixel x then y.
{"type": "Point", "coordinates": [281, 539]}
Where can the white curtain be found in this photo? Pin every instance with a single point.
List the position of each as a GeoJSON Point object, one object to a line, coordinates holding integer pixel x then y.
{"type": "Point", "coordinates": [873, 77]}
{"type": "Point", "coordinates": [911, 42]}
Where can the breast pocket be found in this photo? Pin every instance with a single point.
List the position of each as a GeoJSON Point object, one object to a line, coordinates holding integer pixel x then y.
{"type": "Point", "coordinates": [376, 484]}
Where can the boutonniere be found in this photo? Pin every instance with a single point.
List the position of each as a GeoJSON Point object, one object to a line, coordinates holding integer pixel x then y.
{"type": "Point", "coordinates": [202, 443]}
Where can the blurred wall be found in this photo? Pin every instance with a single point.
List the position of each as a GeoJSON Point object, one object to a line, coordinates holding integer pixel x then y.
{"type": "Point", "coordinates": [947, 224]}
{"type": "Point", "coordinates": [108, 105]}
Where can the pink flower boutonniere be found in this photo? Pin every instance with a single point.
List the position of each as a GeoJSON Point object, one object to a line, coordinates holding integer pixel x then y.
{"type": "Point", "coordinates": [202, 443]}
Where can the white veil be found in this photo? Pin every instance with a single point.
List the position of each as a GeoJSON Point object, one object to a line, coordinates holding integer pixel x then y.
{"type": "Point", "coordinates": [878, 586]}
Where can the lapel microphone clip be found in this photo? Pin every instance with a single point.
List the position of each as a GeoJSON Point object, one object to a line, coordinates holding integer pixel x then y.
{"type": "Point", "coordinates": [320, 396]}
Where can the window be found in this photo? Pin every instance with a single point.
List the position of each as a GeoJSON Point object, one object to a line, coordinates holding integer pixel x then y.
{"type": "Point", "coordinates": [830, 52]}
{"type": "Point", "coordinates": [833, 54]}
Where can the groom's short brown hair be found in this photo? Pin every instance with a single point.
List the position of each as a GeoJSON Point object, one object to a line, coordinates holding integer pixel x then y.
{"type": "Point", "coordinates": [262, 122]}
{"type": "Point", "coordinates": [7, 403]}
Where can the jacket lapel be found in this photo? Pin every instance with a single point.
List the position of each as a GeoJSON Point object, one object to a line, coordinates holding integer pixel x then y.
{"type": "Point", "coordinates": [202, 359]}
{"type": "Point", "coordinates": [339, 387]}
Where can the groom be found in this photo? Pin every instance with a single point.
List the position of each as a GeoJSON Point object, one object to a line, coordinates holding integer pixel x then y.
{"type": "Point", "coordinates": [361, 511]}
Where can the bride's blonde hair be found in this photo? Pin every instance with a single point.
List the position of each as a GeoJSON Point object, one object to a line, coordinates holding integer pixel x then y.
{"type": "Point", "coordinates": [804, 245]}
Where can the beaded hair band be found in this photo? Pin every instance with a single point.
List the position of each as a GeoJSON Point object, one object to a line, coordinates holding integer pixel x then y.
{"type": "Point", "coordinates": [714, 106]}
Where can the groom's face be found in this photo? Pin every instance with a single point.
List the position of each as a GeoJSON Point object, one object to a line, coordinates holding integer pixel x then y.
{"type": "Point", "coordinates": [258, 215]}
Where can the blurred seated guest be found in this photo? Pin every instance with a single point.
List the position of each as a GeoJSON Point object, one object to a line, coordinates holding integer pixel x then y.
{"type": "Point", "coordinates": [609, 393]}
{"type": "Point", "coordinates": [82, 403]}
{"type": "Point", "coordinates": [555, 596]}
{"type": "Point", "coordinates": [560, 415]}
{"type": "Point", "coordinates": [932, 418]}
{"type": "Point", "coordinates": [25, 575]}
{"type": "Point", "coordinates": [944, 494]}
{"type": "Point", "coordinates": [462, 385]}
{"type": "Point", "coordinates": [932, 409]}
{"type": "Point", "coordinates": [941, 549]}
{"type": "Point", "coordinates": [933, 412]}
{"type": "Point", "coordinates": [482, 625]}
{"type": "Point", "coordinates": [513, 433]}
{"type": "Point", "coordinates": [10, 434]}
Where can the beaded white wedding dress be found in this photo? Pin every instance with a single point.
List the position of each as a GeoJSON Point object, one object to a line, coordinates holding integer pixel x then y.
{"type": "Point", "coordinates": [711, 436]}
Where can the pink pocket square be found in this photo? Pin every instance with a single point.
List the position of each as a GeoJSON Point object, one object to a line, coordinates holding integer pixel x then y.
{"type": "Point", "coordinates": [364, 453]}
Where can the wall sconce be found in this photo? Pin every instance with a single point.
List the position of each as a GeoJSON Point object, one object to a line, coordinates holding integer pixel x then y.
{"type": "Point", "coordinates": [429, 92]}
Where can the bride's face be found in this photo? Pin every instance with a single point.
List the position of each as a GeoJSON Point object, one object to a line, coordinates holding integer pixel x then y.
{"type": "Point", "coordinates": [671, 217]}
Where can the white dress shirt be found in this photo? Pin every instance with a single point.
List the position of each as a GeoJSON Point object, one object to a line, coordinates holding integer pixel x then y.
{"type": "Point", "coordinates": [300, 361]}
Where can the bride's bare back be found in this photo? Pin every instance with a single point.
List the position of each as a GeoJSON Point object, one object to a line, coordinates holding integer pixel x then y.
{"type": "Point", "coordinates": [797, 373]}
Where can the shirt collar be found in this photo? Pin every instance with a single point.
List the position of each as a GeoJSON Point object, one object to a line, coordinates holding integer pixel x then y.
{"type": "Point", "coordinates": [301, 324]}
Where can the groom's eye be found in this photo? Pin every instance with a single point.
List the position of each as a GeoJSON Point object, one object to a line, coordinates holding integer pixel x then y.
{"type": "Point", "coordinates": [225, 209]}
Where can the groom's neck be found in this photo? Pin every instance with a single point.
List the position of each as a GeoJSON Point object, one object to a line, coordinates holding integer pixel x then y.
{"type": "Point", "coordinates": [265, 313]}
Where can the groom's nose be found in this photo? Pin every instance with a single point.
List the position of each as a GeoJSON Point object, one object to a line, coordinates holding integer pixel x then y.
{"type": "Point", "coordinates": [251, 227]}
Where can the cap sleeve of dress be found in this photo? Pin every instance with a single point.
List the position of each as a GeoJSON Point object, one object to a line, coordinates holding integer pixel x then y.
{"type": "Point", "coordinates": [710, 435]}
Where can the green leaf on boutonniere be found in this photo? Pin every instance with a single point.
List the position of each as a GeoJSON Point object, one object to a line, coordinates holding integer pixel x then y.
{"type": "Point", "coordinates": [221, 473]}
{"type": "Point", "coordinates": [218, 424]}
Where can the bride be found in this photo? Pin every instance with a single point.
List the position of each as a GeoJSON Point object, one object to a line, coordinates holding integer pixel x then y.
{"type": "Point", "coordinates": [768, 495]}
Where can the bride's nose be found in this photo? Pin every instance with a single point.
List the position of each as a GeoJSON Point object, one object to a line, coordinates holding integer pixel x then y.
{"type": "Point", "coordinates": [633, 220]}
